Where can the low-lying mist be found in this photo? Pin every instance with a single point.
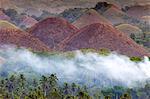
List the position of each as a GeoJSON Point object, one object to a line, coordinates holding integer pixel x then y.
{"type": "Point", "coordinates": [90, 68]}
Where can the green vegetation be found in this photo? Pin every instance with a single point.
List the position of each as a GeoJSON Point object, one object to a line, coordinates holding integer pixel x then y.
{"type": "Point", "coordinates": [48, 87]}
{"type": "Point", "coordinates": [72, 54]}
{"type": "Point", "coordinates": [104, 52]}
{"type": "Point", "coordinates": [135, 59]}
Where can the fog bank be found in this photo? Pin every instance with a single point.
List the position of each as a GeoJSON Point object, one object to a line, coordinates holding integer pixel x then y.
{"type": "Point", "coordinates": [89, 68]}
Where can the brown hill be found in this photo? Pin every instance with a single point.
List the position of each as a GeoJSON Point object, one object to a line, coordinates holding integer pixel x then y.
{"type": "Point", "coordinates": [139, 11]}
{"type": "Point", "coordinates": [130, 29]}
{"type": "Point", "coordinates": [117, 17]}
{"type": "Point", "coordinates": [15, 36]}
{"type": "Point", "coordinates": [52, 30]}
{"type": "Point", "coordinates": [114, 15]}
{"type": "Point", "coordinates": [89, 17]}
{"type": "Point", "coordinates": [99, 36]}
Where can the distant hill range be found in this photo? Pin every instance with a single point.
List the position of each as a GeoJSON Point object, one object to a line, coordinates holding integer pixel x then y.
{"type": "Point", "coordinates": [33, 7]}
{"type": "Point", "coordinates": [64, 25]}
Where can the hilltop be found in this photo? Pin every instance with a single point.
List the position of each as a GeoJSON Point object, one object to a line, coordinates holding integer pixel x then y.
{"type": "Point", "coordinates": [52, 31]}
{"type": "Point", "coordinates": [89, 17]}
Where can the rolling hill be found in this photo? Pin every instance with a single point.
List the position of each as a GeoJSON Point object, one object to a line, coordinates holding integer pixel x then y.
{"type": "Point", "coordinates": [130, 29]}
{"type": "Point", "coordinates": [11, 35]}
{"type": "Point", "coordinates": [52, 31]}
{"type": "Point", "coordinates": [138, 11]}
{"type": "Point", "coordinates": [100, 36]}
{"type": "Point", "coordinates": [118, 17]}
{"type": "Point", "coordinates": [129, 3]}
{"type": "Point", "coordinates": [114, 15]}
{"type": "Point", "coordinates": [89, 17]}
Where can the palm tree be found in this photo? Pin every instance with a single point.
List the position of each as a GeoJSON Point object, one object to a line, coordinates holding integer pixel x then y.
{"type": "Point", "coordinates": [83, 95]}
{"type": "Point", "coordinates": [107, 97]}
{"type": "Point", "coordinates": [12, 82]}
{"type": "Point", "coordinates": [39, 93]}
{"type": "Point", "coordinates": [44, 85]}
{"type": "Point", "coordinates": [35, 83]}
{"type": "Point", "coordinates": [73, 88]}
{"type": "Point", "coordinates": [22, 83]}
{"type": "Point", "coordinates": [54, 94]}
{"type": "Point", "coordinates": [85, 88]}
{"type": "Point", "coordinates": [97, 95]}
{"type": "Point", "coordinates": [52, 81]}
{"type": "Point", "coordinates": [125, 96]}
{"type": "Point", "coordinates": [22, 80]}
{"type": "Point", "coordinates": [9, 86]}
{"type": "Point", "coordinates": [66, 88]}
{"type": "Point", "coordinates": [2, 86]}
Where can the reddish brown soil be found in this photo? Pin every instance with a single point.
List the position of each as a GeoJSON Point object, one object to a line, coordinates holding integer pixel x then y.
{"type": "Point", "coordinates": [52, 31]}
{"type": "Point", "coordinates": [99, 36]}
{"type": "Point", "coordinates": [21, 39]}
{"type": "Point", "coordinates": [114, 15]}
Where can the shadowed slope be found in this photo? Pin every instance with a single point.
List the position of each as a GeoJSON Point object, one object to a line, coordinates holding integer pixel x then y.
{"type": "Point", "coordinates": [99, 36]}
{"type": "Point", "coordinates": [52, 31]}
{"type": "Point", "coordinates": [3, 16]}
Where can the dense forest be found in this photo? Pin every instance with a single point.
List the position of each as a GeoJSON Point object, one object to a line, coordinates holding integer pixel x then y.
{"type": "Point", "coordinates": [48, 87]}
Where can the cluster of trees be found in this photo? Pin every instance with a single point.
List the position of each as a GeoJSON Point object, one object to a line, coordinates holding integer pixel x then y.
{"type": "Point", "coordinates": [47, 87]}
{"type": "Point", "coordinates": [102, 6]}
